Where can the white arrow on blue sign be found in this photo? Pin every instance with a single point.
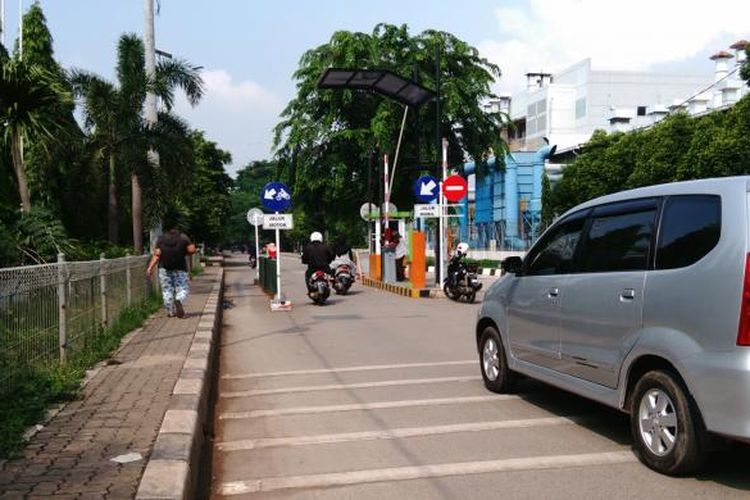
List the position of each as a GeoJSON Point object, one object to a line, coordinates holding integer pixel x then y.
{"type": "Point", "coordinates": [276, 196]}
{"type": "Point", "coordinates": [426, 188]}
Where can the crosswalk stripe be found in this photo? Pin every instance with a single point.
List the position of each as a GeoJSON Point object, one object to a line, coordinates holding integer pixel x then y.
{"type": "Point", "coordinates": [335, 387]}
{"type": "Point", "coordinates": [380, 405]}
{"type": "Point", "coordinates": [405, 432]}
{"type": "Point", "coordinates": [334, 479]}
{"type": "Point", "coordinates": [346, 369]}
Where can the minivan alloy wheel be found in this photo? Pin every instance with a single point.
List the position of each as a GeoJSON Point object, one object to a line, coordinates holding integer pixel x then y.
{"type": "Point", "coordinates": [490, 361]}
{"type": "Point", "coordinates": [657, 422]}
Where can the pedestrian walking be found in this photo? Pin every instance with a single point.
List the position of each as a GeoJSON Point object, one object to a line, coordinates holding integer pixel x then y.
{"type": "Point", "coordinates": [169, 253]}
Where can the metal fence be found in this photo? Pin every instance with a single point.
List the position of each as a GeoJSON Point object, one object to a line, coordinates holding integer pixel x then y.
{"type": "Point", "coordinates": [48, 313]}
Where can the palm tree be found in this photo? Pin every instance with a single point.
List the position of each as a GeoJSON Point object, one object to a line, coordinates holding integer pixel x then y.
{"type": "Point", "coordinates": [113, 116]}
{"type": "Point", "coordinates": [30, 98]}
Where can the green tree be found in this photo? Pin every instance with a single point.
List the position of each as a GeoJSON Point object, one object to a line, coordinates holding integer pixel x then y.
{"type": "Point", "coordinates": [207, 199]}
{"type": "Point", "coordinates": [30, 97]}
{"type": "Point", "coordinates": [113, 116]}
{"type": "Point", "coordinates": [745, 70]}
{"type": "Point", "coordinates": [330, 143]}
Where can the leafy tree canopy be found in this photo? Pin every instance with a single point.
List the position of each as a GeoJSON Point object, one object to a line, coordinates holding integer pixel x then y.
{"type": "Point", "coordinates": [331, 143]}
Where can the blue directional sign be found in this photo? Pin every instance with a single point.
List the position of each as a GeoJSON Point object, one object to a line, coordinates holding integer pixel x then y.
{"type": "Point", "coordinates": [276, 197]}
{"type": "Point", "coordinates": [426, 188]}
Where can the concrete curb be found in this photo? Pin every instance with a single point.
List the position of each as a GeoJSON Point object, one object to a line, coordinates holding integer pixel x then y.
{"type": "Point", "coordinates": [173, 469]}
{"type": "Point", "coordinates": [414, 293]}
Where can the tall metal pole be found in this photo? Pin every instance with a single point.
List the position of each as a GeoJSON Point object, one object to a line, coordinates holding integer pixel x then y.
{"type": "Point", "coordinates": [2, 22]}
{"type": "Point", "coordinates": [443, 210]}
{"type": "Point", "coordinates": [20, 31]}
{"type": "Point", "coordinates": [438, 255]}
{"type": "Point", "coordinates": [278, 266]}
{"type": "Point", "coordinates": [150, 111]}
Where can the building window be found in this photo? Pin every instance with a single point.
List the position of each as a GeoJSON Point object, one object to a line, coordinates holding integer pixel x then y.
{"type": "Point", "coordinates": [580, 108]}
{"type": "Point", "coordinates": [641, 110]}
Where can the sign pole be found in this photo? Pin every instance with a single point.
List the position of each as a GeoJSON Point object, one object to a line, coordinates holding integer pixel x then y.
{"type": "Point", "coordinates": [443, 228]}
{"type": "Point", "coordinates": [278, 265]}
{"type": "Point", "coordinates": [257, 255]}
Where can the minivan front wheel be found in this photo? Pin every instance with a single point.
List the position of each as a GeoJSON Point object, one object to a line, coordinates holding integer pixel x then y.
{"type": "Point", "coordinates": [666, 427]}
{"type": "Point", "coordinates": [495, 372]}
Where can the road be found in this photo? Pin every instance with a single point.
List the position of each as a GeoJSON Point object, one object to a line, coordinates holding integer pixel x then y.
{"type": "Point", "coordinates": [379, 396]}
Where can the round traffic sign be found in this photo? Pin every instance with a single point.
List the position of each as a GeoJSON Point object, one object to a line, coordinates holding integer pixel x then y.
{"type": "Point", "coordinates": [255, 216]}
{"type": "Point", "coordinates": [455, 188]}
{"type": "Point", "coordinates": [276, 196]}
{"type": "Point", "coordinates": [426, 188]}
{"type": "Point", "coordinates": [368, 211]}
{"type": "Point", "coordinates": [389, 208]}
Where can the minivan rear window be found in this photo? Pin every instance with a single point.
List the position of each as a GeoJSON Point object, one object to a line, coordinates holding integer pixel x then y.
{"type": "Point", "coordinates": [690, 228]}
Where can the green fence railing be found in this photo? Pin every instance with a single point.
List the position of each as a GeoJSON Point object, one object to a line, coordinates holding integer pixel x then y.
{"type": "Point", "coordinates": [267, 268]}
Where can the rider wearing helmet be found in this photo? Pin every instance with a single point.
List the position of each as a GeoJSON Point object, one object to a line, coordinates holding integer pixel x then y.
{"type": "Point", "coordinates": [316, 255]}
{"type": "Point", "coordinates": [454, 265]}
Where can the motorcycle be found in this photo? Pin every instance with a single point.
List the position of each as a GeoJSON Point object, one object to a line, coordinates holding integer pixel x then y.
{"type": "Point", "coordinates": [318, 288]}
{"type": "Point", "coordinates": [343, 278]}
{"type": "Point", "coordinates": [462, 281]}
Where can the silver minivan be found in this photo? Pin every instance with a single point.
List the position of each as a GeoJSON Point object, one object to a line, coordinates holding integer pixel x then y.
{"type": "Point", "coordinates": [639, 300]}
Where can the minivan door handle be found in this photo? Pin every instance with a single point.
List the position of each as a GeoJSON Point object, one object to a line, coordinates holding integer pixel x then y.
{"type": "Point", "coordinates": [553, 292]}
{"type": "Point", "coordinates": [627, 294]}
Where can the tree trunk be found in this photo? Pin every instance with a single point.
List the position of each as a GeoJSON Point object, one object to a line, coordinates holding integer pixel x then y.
{"type": "Point", "coordinates": [112, 215]}
{"type": "Point", "coordinates": [17, 154]}
{"type": "Point", "coordinates": [137, 210]}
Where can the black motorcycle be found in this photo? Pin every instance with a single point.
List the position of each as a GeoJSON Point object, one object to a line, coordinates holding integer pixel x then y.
{"type": "Point", "coordinates": [462, 281]}
{"type": "Point", "coordinates": [318, 288]}
{"type": "Point", "coordinates": [343, 278]}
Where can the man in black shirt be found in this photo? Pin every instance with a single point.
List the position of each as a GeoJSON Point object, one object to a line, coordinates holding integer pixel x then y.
{"type": "Point", "coordinates": [316, 255]}
{"type": "Point", "coordinates": [171, 249]}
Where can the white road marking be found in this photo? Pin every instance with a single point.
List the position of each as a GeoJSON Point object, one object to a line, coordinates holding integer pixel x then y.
{"type": "Point", "coordinates": [423, 472]}
{"type": "Point", "coordinates": [347, 369]}
{"type": "Point", "coordinates": [405, 432]}
{"type": "Point", "coordinates": [338, 387]}
{"type": "Point", "coordinates": [381, 405]}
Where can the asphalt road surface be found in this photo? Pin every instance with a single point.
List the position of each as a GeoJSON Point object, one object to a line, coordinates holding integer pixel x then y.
{"type": "Point", "coordinates": [377, 396]}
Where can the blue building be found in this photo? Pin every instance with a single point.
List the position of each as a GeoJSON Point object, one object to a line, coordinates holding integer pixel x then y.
{"type": "Point", "coordinates": [507, 202]}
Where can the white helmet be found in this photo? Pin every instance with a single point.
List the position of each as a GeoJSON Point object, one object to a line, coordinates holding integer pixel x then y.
{"type": "Point", "coordinates": [316, 236]}
{"type": "Point", "coordinates": [462, 248]}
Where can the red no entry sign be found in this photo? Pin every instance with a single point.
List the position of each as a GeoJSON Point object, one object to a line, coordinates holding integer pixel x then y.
{"type": "Point", "coordinates": [455, 188]}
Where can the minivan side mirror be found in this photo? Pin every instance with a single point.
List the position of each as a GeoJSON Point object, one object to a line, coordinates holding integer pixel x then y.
{"type": "Point", "coordinates": [513, 265]}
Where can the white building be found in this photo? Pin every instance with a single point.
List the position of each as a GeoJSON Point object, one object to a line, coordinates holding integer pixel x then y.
{"type": "Point", "coordinates": [568, 106]}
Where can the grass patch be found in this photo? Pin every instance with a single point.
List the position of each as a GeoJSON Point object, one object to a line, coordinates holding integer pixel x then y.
{"type": "Point", "coordinates": [196, 271]}
{"type": "Point", "coordinates": [27, 400]}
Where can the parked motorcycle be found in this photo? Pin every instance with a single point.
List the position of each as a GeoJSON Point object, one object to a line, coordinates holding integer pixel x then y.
{"type": "Point", "coordinates": [343, 278]}
{"type": "Point", "coordinates": [318, 288]}
{"type": "Point", "coordinates": [462, 281]}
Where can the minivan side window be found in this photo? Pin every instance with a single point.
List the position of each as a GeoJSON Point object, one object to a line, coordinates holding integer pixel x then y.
{"type": "Point", "coordinates": [690, 228]}
{"type": "Point", "coordinates": [554, 254]}
{"type": "Point", "coordinates": [618, 242]}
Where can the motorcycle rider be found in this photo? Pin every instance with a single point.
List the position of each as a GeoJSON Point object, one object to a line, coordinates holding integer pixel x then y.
{"type": "Point", "coordinates": [317, 256]}
{"type": "Point", "coordinates": [343, 255]}
{"type": "Point", "coordinates": [454, 265]}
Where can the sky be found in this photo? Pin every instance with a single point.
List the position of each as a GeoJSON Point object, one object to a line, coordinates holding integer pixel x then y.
{"type": "Point", "coordinates": [249, 49]}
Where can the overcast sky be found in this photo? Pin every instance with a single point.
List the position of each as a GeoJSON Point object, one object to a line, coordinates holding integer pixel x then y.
{"type": "Point", "coordinates": [250, 48]}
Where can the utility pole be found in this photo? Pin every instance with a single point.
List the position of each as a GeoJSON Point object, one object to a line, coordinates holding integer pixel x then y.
{"type": "Point", "coordinates": [438, 146]}
{"type": "Point", "coordinates": [151, 117]}
{"type": "Point", "coordinates": [2, 22]}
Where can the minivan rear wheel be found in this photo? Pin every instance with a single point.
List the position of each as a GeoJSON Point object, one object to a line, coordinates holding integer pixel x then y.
{"type": "Point", "coordinates": [495, 372]}
{"type": "Point", "coordinates": [666, 426]}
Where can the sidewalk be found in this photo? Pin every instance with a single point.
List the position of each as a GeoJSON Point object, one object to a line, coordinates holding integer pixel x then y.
{"type": "Point", "coordinates": [120, 411]}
